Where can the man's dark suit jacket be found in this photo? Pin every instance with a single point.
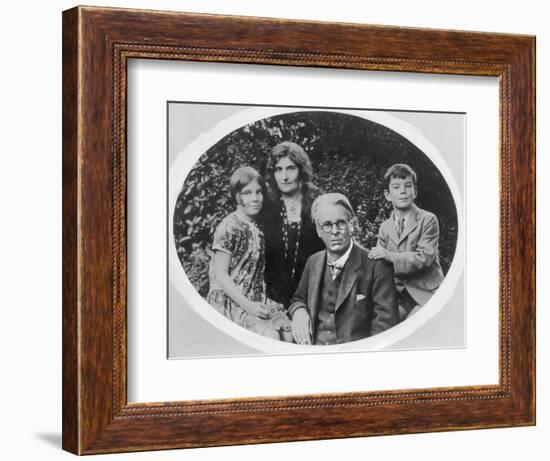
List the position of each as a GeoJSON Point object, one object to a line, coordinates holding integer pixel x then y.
{"type": "Point", "coordinates": [367, 300]}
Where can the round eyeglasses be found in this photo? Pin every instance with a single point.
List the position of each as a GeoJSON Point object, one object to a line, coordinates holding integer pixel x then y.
{"type": "Point", "coordinates": [327, 227]}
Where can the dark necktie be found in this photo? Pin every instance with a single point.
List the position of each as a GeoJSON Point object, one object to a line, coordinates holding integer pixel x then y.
{"type": "Point", "coordinates": [335, 269]}
{"type": "Point", "coordinates": [400, 226]}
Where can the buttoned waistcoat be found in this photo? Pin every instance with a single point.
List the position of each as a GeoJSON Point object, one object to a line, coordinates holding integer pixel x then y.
{"type": "Point", "coordinates": [367, 300]}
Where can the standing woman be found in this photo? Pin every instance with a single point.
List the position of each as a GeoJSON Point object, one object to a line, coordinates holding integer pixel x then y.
{"type": "Point", "coordinates": [237, 285]}
{"type": "Point", "coordinates": [291, 237]}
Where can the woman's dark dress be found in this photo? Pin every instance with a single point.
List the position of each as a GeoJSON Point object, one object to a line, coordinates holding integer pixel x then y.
{"type": "Point", "coordinates": [281, 285]}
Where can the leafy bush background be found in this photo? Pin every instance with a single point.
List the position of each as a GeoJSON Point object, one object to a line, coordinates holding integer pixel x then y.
{"type": "Point", "coordinates": [349, 155]}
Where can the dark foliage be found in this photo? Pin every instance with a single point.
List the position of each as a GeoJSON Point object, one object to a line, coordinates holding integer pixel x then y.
{"type": "Point", "coordinates": [349, 155]}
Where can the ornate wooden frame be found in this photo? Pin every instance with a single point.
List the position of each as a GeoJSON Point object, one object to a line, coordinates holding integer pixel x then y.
{"type": "Point", "coordinates": [97, 43]}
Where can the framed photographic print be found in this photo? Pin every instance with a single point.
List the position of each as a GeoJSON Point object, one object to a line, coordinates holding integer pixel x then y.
{"type": "Point", "coordinates": [348, 151]}
{"type": "Point", "coordinates": [281, 230]}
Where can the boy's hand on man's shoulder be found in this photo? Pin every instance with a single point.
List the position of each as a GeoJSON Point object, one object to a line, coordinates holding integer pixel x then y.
{"type": "Point", "coordinates": [379, 252]}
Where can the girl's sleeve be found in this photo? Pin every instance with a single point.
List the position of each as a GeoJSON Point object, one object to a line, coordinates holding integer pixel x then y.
{"type": "Point", "coordinates": [224, 237]}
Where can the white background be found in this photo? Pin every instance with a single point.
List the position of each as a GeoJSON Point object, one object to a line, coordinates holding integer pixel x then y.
{"type": "Point", "coordinates": [153, 378]}
{"type": "Point", "coordinates": [30, 182]}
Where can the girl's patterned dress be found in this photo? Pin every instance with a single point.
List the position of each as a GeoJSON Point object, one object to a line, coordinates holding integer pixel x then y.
{"type": "Point", "coordinates": [244, 241]}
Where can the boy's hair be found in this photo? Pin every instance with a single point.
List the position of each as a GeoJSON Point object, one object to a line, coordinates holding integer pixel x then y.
{"type": "Point", "coordinates": [331, 199]}
{"type": "Point", "coordinates": [401, 171]}
{"type": "Point", "coordinates": [241, 177]}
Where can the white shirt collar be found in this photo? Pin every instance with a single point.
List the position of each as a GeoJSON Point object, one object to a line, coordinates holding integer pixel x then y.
{"type": "Point", "coordinates": [341, 261]}
{"type": "Point", "coordinates": [405, 218]}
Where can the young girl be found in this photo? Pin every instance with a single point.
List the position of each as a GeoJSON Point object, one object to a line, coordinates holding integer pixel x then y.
{"type": "Point", "coordinates": [237, 286]}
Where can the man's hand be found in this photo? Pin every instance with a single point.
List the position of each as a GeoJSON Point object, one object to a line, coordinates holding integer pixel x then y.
{"type": "Point", "coordinates": [301, 326]}
{"type": "Point", "coordinates": [379, 252]}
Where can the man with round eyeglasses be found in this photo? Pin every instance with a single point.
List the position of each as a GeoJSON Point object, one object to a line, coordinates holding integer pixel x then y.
{"type": "Point", "coordinates": [343, 295]}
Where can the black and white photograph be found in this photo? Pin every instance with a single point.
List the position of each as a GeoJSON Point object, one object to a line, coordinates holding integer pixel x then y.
{"type": "Point", "coordinates": [313, 229]}
{"type": "Point", "coordinates": [275, 230]}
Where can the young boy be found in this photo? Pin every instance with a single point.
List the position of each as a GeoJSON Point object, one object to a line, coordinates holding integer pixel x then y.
{"type": "Point", "coordinates": [409, 240]}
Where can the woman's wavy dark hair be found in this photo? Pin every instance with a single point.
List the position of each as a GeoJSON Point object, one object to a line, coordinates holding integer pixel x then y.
{"type": "Point", "coordinates": [297, 155]}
